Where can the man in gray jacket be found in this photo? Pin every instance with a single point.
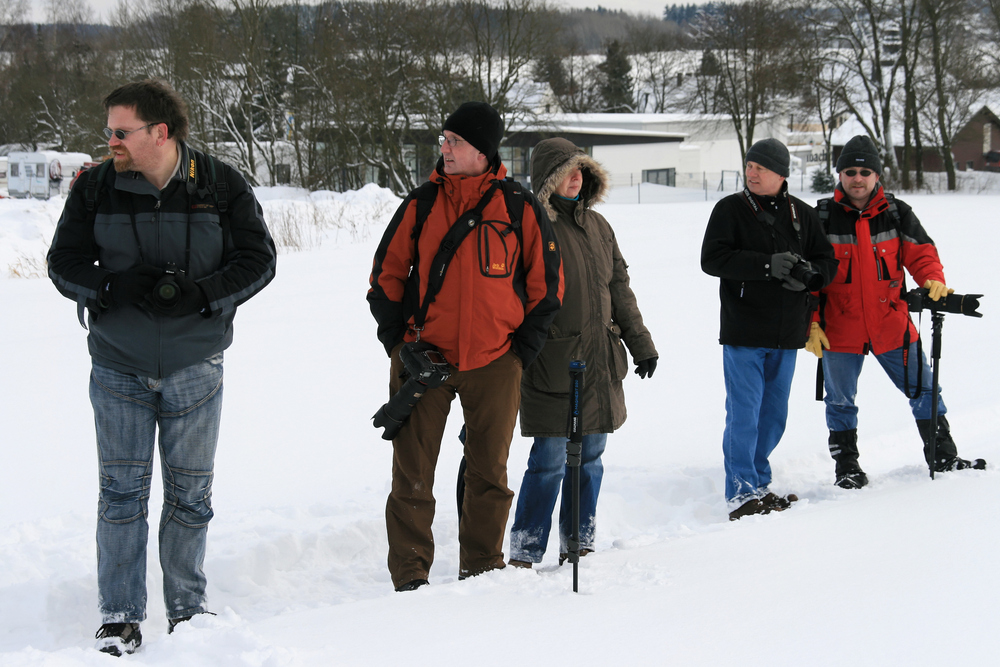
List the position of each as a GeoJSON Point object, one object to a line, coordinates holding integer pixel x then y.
{"type": "Point", "coordinates": [160, 251]}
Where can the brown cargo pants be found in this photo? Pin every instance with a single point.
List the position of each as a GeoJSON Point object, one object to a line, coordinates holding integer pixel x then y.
{"type": "Point", "coordinates": [490, 396]}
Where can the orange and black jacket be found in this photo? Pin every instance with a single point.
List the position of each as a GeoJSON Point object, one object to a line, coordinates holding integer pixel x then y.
{"type": "Point", "coordinates": [500, 291]}
{"type": "Point", "coordinates": [863, 308]}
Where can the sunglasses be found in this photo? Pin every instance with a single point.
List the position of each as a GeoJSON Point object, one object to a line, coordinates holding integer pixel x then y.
{"type": "Point", "coordinates": [851, 173]}
{"type": "Point", "coordinates": [121, 134]}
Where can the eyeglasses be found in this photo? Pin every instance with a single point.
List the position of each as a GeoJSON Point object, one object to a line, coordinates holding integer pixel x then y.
{"type": "Point", "coordinates": [851, 173]}
{"type": "Point", "coordinates": [121, 134]}
{"type": "Point", "coordinates": [451, 141]}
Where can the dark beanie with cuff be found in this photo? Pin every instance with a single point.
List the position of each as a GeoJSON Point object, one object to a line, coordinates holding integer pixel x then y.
{"type": "Point", "coordinates": [860, 152]}
{"type": "Point", "coordinates": [480, 125]}
{"type": "Point", "coordinates": [772, 154]}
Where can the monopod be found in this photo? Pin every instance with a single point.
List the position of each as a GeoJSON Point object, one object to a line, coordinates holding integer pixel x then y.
{"type": "Point", "coordinates": [916, 301]}
{"type": "Point", "coordinates": [574, 455]}
{"type": "Point", "coordinates": [930, 447]}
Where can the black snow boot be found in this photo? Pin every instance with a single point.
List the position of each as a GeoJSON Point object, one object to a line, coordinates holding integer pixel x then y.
{"type": "Point", "coordinates": [118, 638]}
{"type": "Point", "coordinates": [947, 458]}
{"type": "Point", "coordinates": [844, 450]}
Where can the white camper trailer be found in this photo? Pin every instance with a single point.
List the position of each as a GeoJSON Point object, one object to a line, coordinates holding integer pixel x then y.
{"type": "Point", "coordinates": [42, 174]}
{"type": "Point", "coordinates": [3, 175]}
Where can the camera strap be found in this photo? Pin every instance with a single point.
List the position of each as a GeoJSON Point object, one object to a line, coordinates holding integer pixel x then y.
{"type": "Point", "coordinates": [767, 218]}
{"type": "Point", "coordinates": [449, 244]}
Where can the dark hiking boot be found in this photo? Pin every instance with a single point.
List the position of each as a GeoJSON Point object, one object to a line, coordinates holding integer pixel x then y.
{"type": "Point", "coordinates": [523, 564]}
{"type": "Point", "coordinates": [411, 585]}
{"type": "Point", "coordinates": [752, 506]}
{"type": "Point", "coordinates": [776, 503]}
{"type": "Point", "coordinates": [946, 452]}
{"type": "Point", "coordinates": [852, 480]}
{"type": "Point", "coordinates": [844, 450]}
{"type": "Point", "coordinates": [118, 638]}
{"type": "Point", "coordinates": [464, 573]}
{"type": "Point", "coordinates": [174, 622]}
{"type": "Point", "coordinates": [956, 463]}
{"type": "Point", "coordinates": [565, 557]}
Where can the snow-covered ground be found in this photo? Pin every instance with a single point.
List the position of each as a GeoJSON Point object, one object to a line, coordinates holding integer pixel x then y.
{"type": "Point", "coordinates": [902, 572]}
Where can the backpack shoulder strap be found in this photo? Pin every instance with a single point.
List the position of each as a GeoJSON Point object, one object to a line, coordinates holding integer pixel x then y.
{"type": "Point", "coordinates": [514, 199]}
{"type": "Point", "coordinates": [449, 244]}
{"type": "Point", "coordinates": [894, 209]}
{"type": "Point", "coordinates": [96, 177]}
{"type": "Point", "coordinates": [823, 210]}
{"type": "Point", "coordinates": [425, 196]}
{"type": "Point", "coordinates": [207, 179]}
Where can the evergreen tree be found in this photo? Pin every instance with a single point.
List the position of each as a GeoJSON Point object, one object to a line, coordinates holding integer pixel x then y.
{"type": "Point", "coordinates": [616, 79]}
{"type": "Point", "coordinates": [823, 181]}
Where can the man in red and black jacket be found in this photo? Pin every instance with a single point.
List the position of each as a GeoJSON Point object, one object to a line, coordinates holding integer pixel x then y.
{"type": "Point", "coordinates": [875, 237]}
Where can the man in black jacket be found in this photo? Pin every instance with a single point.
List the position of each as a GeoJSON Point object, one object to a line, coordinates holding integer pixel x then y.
{"type": "Point", "coordinates": [768, 248]}
{"type": "Point", "coordinates": [160, 251]}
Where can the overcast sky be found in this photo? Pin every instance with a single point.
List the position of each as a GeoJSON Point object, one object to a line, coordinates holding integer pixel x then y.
{"type": "Point", "coordinates": [650, 7]}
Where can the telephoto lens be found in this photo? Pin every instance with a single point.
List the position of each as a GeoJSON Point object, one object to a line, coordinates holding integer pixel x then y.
{"type": "Point", "coordinates": [963, 304]}
{"type": "Point", "coordinates": [427, 369]}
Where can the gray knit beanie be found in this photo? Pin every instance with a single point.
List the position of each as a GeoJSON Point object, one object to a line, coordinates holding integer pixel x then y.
{"type": "Point", "coordinates": [772, 154]}
{"type": "Point", "coordinates": [861, 152]}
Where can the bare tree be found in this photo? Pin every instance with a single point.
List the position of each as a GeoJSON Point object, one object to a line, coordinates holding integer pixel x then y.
{"type": "Point", "coordinates": [864, 32]}
{"type": "Point", "coordinates": [957, 65]}
{"type": "Point", "coordinates": [660, 67]}
{"type": "Point", "coordinates": [756, 54]}
{"type": "Point", "coordinates": [75, 12]}
{"type": "Point", "coordinates": [911, 29]}
{"type": "Point", "coordinates": [503, 38]}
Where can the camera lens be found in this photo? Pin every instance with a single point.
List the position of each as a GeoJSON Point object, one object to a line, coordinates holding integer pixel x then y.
{"type": "Point", "coordinates": [167, 292]}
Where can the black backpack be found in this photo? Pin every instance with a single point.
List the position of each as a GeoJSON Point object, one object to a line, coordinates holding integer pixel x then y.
{"type": "Point", "coordinates": [202, 180]}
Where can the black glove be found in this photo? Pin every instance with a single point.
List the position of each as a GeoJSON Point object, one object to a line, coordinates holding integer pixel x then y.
{"type": "Point", "coordinates": [130, 286]}
{"type": "Point", "coordinates": [645, 367]}
{"type": "Point", "coordinates": [782, 263]}
{"type": "Point", "coordinates": [190, 300]}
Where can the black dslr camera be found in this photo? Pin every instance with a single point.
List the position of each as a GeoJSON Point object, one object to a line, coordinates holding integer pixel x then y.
{"type": "Point", "coordinates": [806, 274]}
{"type": "Point", "coordinates": [427, 369]}
{"type": "Point", "coordinates": [166, 292]}
{"type": "Point", "coordinates": [964, 304]}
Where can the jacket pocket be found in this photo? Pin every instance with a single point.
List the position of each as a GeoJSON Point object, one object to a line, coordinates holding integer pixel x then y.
{"type": "Point", "coordinates": [550, 372]}
{"type": "Point", "coordinates": [498, 248]}
{"type": "Point", "coordinates": [844, 255]}
{"type": "Point", "coordinates": [619, 358]}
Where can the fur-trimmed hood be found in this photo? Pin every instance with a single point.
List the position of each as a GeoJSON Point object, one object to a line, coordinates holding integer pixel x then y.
{"type": "Point", "coordinates": [552, 160]}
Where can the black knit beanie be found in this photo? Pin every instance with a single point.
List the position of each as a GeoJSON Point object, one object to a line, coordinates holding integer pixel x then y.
{"type": "Point", "coordinates": [861, 152]}
{"type": "Point", "coordinates": [772, 154]}
{"type": "Point", "coordinates": [480, 125]}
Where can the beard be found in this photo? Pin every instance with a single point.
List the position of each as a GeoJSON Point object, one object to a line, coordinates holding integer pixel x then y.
{"type": "Point", "coordinates": [124, 163]}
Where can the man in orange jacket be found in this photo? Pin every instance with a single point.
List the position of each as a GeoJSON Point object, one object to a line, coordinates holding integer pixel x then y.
{"type": "Point", "coordinates": [863, 309]}
{"type": "Point", "coordinates": [500, 292]}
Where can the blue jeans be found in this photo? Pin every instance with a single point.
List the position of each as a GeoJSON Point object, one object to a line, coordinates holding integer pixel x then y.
{"type": "Point", "coordinates": [547, 472]}
{"type": "Point", "coordinates": [128, 409]}
{"type": "Point", "coordinates": [840, 377]}
{"type": "Point", "coordinates": [758, 382]}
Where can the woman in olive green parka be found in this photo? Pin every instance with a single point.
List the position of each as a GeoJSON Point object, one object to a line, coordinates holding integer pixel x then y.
{"type": "Point", "coordinates": [599, 313]}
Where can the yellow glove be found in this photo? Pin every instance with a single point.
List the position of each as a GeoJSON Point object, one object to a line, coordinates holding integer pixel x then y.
{"type": "Point", "coordinates": [817, 340]}
{"type": "Point", "coordinates": [936, 290]}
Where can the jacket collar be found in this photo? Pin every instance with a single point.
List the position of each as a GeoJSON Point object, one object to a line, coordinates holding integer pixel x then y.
{"type": "Point", "coordinates": [876, 204]}
{"type": "Point", "coordinates": [467, 186]}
